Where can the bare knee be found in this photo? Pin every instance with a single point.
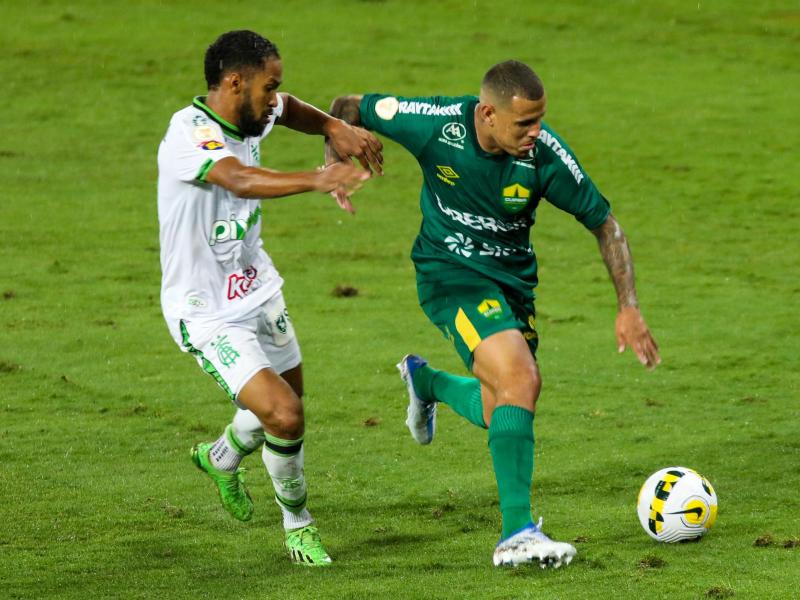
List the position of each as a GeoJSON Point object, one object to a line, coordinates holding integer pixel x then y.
{"type": "Point", "coordinates": [519, 386]}
{"type": "Point", "coordinates": [273, 401]}
{"type": "Point", "coordinates": [282, 419]}
{"type": "Point", "coordinates": [505, 366]}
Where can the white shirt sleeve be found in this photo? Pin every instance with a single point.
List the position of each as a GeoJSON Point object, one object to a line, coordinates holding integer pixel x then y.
{"type": "Point", "coordinates": [195, 148]}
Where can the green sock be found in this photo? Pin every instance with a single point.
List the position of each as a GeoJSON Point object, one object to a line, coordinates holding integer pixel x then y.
{"type": "Point", "coordinates": [511, 446]}
{"type": "Point", "coordinates": [462, 394]}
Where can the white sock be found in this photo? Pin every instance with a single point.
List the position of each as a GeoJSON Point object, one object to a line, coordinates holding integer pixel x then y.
{"type": "Point", "coordinates": [238, 440]}
{"type": "Point", "coordinates": [295, 520]}
{"type": "Point", "coordinates": [247, 430]}
{"type": "Point", "coordinates": [224, 455]}
{"type": "Point", "coordinates": [284, 462]}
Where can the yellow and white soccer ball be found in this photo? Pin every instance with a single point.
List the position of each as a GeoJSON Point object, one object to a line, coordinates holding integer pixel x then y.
{"type": "Point", "coordinates": [676, 504]}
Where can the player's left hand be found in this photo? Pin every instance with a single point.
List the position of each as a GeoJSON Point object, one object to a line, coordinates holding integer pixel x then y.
{"type": "Point", "coordinates": [340, 194]}
{"type": "Point", "coordinates": [343, 200]}
{"type": "Point", "coordinates": [632, 331]}
{"type": "Point", "coordinates": [356, 142]}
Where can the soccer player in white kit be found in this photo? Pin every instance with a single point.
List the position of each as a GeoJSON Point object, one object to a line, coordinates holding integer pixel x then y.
{"type": "Point", "coordinates": [220, 293]}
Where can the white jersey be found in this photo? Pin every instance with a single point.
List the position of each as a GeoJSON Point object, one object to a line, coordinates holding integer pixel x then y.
{"type": "Point", "coordinates": [212, 262]}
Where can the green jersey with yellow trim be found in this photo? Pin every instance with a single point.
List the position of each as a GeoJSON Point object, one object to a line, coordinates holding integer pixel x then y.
{"type": "Point", "coordinates": [478, 208]}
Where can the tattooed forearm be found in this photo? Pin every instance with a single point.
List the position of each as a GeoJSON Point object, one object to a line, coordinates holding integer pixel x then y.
{"type": "Point", "coordinates": [347, 109]}
{"type": "Point", "coordinates": [617, 256]}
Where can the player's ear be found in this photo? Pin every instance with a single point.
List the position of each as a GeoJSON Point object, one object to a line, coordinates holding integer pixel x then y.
{"type": "Point", "coordinates": [235, 82]}
{"type": "Point", "coordinates": [487, 113]}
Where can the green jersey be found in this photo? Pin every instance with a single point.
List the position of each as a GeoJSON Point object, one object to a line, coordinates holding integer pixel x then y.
{"type": "Point", "coordinates": [478, 208]}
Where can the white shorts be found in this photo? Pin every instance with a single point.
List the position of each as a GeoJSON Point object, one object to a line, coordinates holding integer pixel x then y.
{"type": "Point", "coordinates": [233, 352]}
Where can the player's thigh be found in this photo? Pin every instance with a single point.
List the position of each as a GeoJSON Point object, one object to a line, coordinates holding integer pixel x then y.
{"type": "Point", "coordinates": [468, 311]}
{"type": "Point", "coordinates": [229, 352]}
{"type": "Point", "coordinates": [233, 355]}
{"type": "Point", "coordinates": [505, 366]}
{"type": "Point", "coordinates": [524, 310]}
{"type": "Point", "coordinates": [279, 343]}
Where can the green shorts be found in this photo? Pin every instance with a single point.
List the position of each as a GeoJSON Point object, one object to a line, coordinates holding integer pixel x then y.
{"type": "Point", "coordinates": [468, 308]}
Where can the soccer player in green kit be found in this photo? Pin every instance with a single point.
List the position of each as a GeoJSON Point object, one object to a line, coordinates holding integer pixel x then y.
{"type": "Point", "coordinates": [487, 162]}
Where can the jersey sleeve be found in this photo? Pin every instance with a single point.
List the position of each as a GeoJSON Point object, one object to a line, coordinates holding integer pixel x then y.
{"type": "Point", "coordinates": [404, 120]}
{"type": "Point", "coordinates": [566, 185]}
{"type": "Point", "coordinates": [195, 149]}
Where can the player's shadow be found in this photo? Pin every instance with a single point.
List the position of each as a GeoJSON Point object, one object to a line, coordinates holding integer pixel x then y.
{"type": "Point", "coordinates": [414, 525]}
{"type": "Point", "coordinates": [358, 548]}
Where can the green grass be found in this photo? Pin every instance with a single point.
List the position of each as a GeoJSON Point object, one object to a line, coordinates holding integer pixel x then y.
{"type": "Point", "coordinates": [684, 113]}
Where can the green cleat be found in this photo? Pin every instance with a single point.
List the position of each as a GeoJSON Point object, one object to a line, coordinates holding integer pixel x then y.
{"type": "Point", "coordinates": [305, 548]}
{"type": "Point", "coordinates": [235, 497]}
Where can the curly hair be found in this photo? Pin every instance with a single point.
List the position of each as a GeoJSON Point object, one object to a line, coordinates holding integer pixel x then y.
{"type": "Point", "coordinates": [241, 49]}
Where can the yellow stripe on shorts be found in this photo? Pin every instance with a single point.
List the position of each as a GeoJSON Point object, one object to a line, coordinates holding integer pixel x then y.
{"type": "Point", "coordinates": [467, 330]}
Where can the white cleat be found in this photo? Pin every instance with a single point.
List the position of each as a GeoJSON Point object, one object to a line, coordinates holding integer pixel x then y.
{"type": "Point", "coordinates": [421, 419]}
{"type": "Point", "coordinates": [531, 545]}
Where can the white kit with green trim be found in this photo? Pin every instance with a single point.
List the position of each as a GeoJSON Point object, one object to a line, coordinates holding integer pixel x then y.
{"type": "Point", "coordinates": [212, 261]}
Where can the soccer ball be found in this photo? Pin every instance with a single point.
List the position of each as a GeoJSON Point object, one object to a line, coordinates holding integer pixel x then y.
{"type": "Point", "coordinates": [676, 504]}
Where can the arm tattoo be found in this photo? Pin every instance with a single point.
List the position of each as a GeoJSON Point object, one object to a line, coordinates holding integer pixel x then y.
{"type": "Point", "coordinates": [617, 256]}
{"type": "Point", "coordinates": [347, 109]}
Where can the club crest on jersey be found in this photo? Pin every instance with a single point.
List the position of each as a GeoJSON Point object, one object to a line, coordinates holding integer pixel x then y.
{"type": "Point", "coordinates": [211, 145]}
{"type": "Point", "coordinates": [240, 285]}
{"type": "Point", "coordinates": [515, 197]}
{"type": "Point", "coordinates": [226, 353]}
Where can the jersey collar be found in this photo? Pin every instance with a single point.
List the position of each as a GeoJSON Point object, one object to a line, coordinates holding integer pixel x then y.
{"type": "Point", "coordinates": [228, 129]}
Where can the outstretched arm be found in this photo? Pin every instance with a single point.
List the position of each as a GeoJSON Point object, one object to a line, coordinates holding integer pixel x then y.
{"type": "Point", "coordinates": [348, 142]}
{"type": "Point", "coordinates": [347, 109]}
{"type": "Point", "coordinates": [631, 329]}
{"type": "Point", "coordinates": [257, 182]}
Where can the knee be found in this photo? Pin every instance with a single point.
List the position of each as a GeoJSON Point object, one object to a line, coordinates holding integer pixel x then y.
{"type": "Point", "coordinates": [520, 386]}
{"type": "Point", "coordinates": [285, 421]}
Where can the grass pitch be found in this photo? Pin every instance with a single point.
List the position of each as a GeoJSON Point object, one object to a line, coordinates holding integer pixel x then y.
{"type": "Point", "coordinates": [684, 113]}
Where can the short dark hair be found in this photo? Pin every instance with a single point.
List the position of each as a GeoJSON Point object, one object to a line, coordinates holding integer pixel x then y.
{"type": "Point", "coordinates": [236, 50]}
{"type": "Point", "coordinates": [513, 78]}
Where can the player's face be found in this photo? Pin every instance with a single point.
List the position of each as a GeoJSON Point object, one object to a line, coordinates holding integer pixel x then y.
{"type": "Point", "coordinates": [518, 124]}
{"type": "Point", "coordinates": [260, 97]}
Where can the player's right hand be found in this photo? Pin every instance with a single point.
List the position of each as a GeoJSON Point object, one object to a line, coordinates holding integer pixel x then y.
{"type": "Point", "coordinates": [343, 200]}
{"type": "Point", "coordinates": [349, 141]}
{"type": "Point", "coordinates": [632, 331]}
